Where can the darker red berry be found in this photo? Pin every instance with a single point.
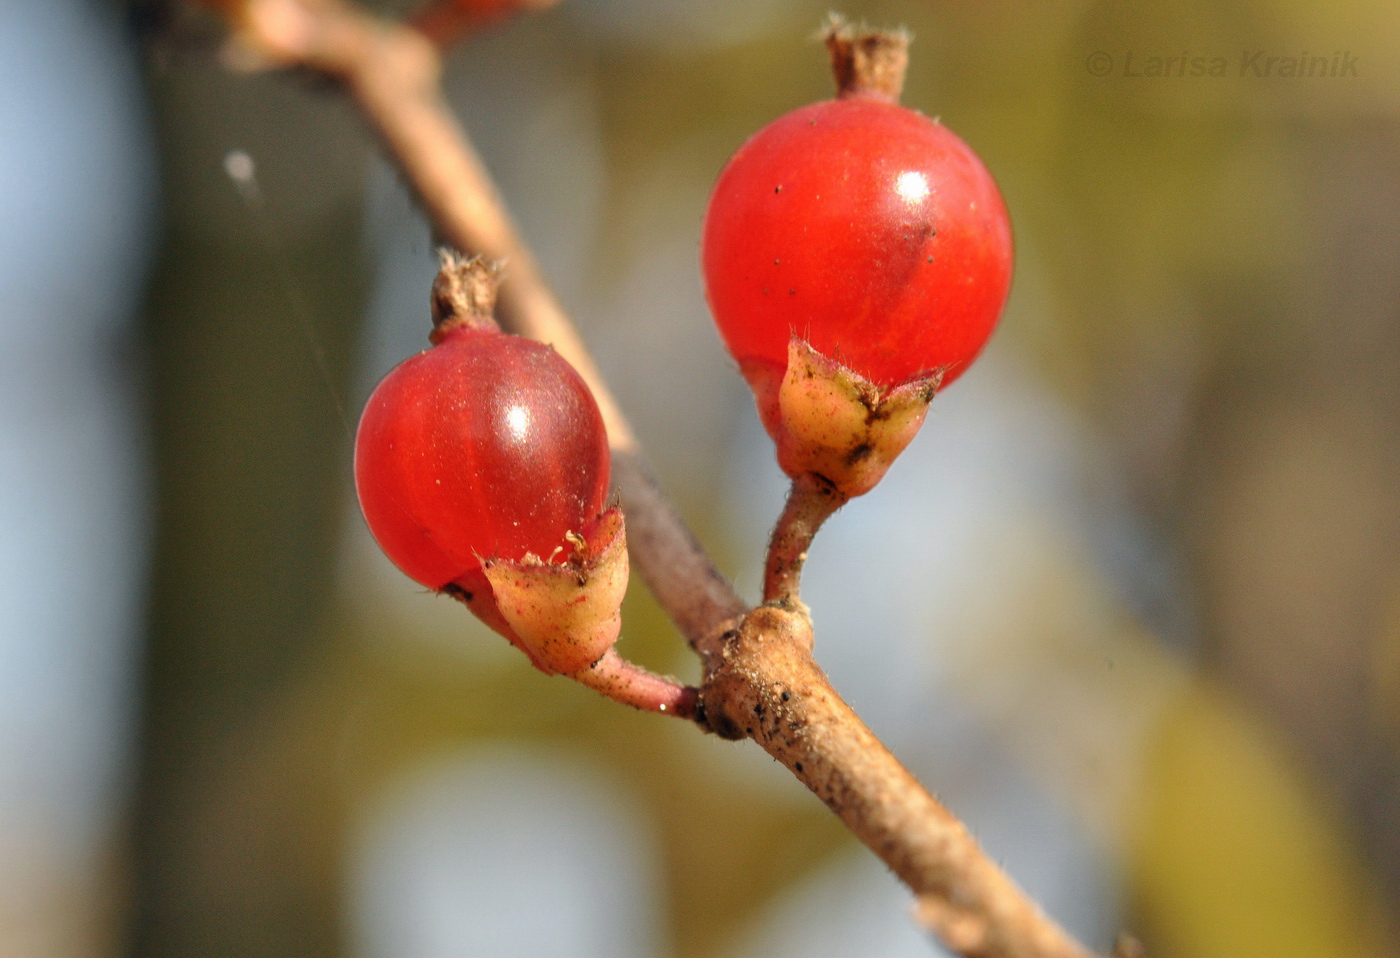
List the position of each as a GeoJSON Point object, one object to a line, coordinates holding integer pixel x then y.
{"type": "Point", "coordinates": [484, 446]}
{"type": "Point", "coordinates": [864, 228]}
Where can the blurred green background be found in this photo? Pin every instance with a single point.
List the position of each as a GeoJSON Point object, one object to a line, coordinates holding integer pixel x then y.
{"type": "Point", "coordinates": [1144, 570]}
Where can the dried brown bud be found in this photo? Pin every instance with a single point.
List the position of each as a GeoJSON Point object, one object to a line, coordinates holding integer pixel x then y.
{"type": "Point", "coordinates": [464, 293]}
{"type": "Point", "coordinates": [866, 62]}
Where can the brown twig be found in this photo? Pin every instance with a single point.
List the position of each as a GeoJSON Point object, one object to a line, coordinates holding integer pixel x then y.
{"type": "Point", "coordinates": [760, 678]}
{"type": "Point", "coordinates": [768, 688]}
{"type": "Point", "coordinates": [699, 600]}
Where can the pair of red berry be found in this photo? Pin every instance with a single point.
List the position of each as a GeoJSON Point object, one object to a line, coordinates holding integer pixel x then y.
{"type": "Point", "coordinates": [852, 242]}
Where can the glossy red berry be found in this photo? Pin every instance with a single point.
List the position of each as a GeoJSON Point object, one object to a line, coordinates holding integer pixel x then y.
{"type": "Point", "coordinates": [485, 446]}
{"type": "Point", "coordinates": [866, 229]}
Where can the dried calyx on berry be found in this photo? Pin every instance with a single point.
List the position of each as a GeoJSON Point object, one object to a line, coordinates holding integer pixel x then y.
{"type": "Point", "coordinates": [856, 256]}
{"type": "Point", "coordinates": [482, 469]}
{"type": "Point", "coordinates": [833, 422]}
{"type": "Point", "coordinates": [565, 616]}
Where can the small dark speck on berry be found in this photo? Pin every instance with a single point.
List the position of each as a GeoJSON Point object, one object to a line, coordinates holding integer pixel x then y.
{"type": "Point", "coordinates": [792, 292]}
{"type": "Point", "coordinates": [778, 189]}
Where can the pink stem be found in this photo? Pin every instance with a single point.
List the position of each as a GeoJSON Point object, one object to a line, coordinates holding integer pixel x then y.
{"type": "Point", "coordinates": [630, 684]}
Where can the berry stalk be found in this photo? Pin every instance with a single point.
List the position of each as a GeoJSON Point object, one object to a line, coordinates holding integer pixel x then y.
{"type": "Point", "coordinates": [629, 683]}
{"type": "Point", "coordinates": [811, 501]}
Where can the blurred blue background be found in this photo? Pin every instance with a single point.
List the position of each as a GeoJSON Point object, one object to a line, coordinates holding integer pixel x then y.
{"type": "Point", "coordinates": [1130, 603]}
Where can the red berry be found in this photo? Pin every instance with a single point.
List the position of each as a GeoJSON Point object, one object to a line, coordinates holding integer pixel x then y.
{"type": "Point", "coordinates": [485, 446]}
{"type": "Point", "coordinates": [864, 228]}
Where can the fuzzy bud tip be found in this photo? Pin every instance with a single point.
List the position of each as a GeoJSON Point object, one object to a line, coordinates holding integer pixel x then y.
{"type": "Point", "coordinates": [865, 61]}
{"type": "Point", "coordinates": [464, 293]}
